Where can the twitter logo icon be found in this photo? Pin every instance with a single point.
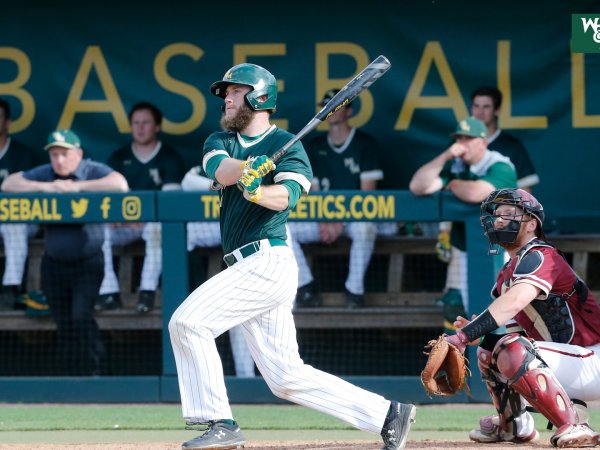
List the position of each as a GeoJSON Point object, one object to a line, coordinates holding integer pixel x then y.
{"type": "Point", "coordinates": [79, 207]}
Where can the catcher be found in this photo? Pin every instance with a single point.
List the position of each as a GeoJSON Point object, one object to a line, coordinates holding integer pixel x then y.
{"type": "Point", "coordinates": [549, 356]}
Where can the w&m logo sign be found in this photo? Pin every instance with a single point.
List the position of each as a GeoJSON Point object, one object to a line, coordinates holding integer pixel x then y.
{"type": "Point", "coordinates": [585, 30]}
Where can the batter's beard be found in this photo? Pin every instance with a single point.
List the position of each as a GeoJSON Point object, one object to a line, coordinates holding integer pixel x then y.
{"type": "Point", "coordinates": [239, 121]}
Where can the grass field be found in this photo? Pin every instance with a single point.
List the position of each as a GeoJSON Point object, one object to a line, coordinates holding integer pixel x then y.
{"type": "Point", "coordinates": [154, 426]}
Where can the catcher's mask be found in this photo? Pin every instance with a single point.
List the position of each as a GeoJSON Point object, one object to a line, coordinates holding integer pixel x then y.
{"type": "Point", "coordinates": [258, 78]}
{"type": "Point", "coordinates": [526, 208]}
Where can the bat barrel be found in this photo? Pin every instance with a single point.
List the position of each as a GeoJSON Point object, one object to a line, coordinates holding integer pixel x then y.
{"type": "Point", "coordinates": [359, 83]}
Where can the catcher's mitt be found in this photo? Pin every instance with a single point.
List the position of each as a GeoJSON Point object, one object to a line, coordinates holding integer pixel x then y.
{"type": "Point", "coordinates": [446, 369]}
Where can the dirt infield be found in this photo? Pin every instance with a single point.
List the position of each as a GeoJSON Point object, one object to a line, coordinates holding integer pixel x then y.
{"type": "Point", "coordinates": [281, 445]}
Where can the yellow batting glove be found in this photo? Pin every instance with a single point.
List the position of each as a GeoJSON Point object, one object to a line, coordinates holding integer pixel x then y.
{"type": "Point", "coordinates": [261, 164]}
{"type": "Point", "coordinates": [250, 181]}
{"type": "Point", "coordinates": [254, 197]}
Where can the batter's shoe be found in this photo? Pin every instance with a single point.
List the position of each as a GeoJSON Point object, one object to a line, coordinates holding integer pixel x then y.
{"type": "Point", "coordinates": [489, 431]}
{"type": "Point", "coordinates": [146, 301]}
{"type": "Point", "coordinates": [397, 425]}
{"type": "Point", "coordinates": [575, 436]}
{"type": "Point", "coordinates": [219, 435]}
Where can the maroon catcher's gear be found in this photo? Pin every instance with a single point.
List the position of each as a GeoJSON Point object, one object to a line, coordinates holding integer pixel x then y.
{"type": "Point", "coordinates": [513, 423]}
{"type": "Point", "coordinates": [565, 311]}
{"type": "Point", "coordinates": [516, 359]}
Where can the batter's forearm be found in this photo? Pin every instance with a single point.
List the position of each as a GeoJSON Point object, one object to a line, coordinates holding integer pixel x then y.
{"type": "Point", "coordinates": [275, 197]}
{"type": "Point", "coordinates": [229, 171]}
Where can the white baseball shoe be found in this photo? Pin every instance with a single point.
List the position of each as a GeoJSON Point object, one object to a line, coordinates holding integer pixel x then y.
{"type": "Point", "coordinates": [575, 436]}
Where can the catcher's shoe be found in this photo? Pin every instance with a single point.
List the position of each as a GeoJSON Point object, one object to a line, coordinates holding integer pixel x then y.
{"type": "Point", "coordinates": [575, 436]}
{"type": "Point", "coordinates": [489, 431]}
{"type": "Point", "coordinates": [397, 425]}
{"type": "Point", "coordinates": [219, 435]}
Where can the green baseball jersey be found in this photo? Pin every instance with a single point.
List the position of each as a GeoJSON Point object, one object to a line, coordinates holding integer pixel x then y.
{"type": "Point", "coordinates": [242, 221]}
{"type": "Point", "coordinates": [344, 167]}
{"type": "Point", "coordinates": [510, 146]}
{"type": "Point", "coordinates": [17, 158]}
{"type": "Point", "coordinates": [494, 168]}
{"type": "Point", "coordinates": [165, 167]}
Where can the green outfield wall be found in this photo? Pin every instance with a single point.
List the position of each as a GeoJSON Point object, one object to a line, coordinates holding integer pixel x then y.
{"type": "Point", "coordinates": [83, 66]}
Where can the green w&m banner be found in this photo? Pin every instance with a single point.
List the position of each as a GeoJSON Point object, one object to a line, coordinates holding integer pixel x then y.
{"type": "Point", "coordinates": [585, 33]}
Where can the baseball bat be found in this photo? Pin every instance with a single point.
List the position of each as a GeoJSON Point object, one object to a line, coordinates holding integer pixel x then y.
{"type": "Point", "coordinates": [355, 86]}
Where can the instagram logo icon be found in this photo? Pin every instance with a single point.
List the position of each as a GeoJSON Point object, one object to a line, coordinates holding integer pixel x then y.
{"type": "Point", "coordinates": [131, 208]}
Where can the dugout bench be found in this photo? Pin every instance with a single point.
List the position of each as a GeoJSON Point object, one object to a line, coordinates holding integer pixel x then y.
{"type": "Point", "coordinates": [394, 308]}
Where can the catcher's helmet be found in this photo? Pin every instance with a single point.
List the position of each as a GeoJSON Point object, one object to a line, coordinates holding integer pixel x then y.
{"type": "Point", "coordinates": [528, 205]}
{"type": "Point", "coordinates": [259, 79]}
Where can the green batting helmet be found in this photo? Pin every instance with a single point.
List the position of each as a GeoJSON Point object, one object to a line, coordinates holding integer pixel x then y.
{"type": "Point", "coordinates": [259, 79]}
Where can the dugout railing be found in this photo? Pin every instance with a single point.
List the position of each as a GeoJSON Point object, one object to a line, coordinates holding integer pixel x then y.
{"type": "Point", "coordinates": [174, 209]}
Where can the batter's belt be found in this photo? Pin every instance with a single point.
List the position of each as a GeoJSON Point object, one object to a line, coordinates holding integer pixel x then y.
{"type": "Point", "coordinates": [250, 249]}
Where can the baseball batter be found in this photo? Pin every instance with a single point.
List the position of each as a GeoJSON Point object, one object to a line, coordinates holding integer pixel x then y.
{"type": "Point", "coordinates": [549, 357]}
{"type": "Point", "coordinates": [257, 289]}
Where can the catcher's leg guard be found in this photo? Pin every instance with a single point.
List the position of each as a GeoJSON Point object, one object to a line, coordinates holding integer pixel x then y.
{"type": "Point", "coordinates": [518, 361]}
{"type": "Point", "coordinates": [512, 423]}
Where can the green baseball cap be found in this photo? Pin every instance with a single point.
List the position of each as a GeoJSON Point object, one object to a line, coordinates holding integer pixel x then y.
{"type": "Point", "coordinates": [63, 138]}
{"type": "Point", "coordinates": [471, 127]}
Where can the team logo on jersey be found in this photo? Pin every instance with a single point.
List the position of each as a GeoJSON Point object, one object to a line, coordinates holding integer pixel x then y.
{"type": "Point", "coordinates": [351, 165]}
{"type": "Point", "coordinates": [585, 33]}
{"type": "Point", "coordinates": [155, 175]}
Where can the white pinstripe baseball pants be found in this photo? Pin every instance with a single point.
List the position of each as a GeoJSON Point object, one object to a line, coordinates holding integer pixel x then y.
{"type": "Point", "coordinates": [208, 234]}
{"type": "Point", "coordinates": [258, 292]}
{"type": "Point", "coordinates": [363, 236]}
{"type": "Point", "coordinates": [152, 265]}
{"type": "Point", "coordinates": [15, 236]}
